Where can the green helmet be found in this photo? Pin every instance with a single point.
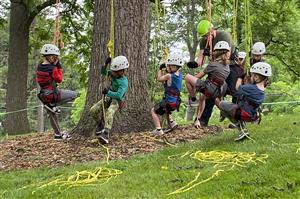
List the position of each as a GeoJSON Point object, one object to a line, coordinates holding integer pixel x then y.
{"type": "Point", "coordinates": [203, 27]}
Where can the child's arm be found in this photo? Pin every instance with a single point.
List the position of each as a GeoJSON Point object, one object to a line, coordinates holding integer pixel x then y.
{"type": "Point", "coordinates": [119, 94]}
{"type": "Point", "coordinates": [238, 83]}
{"type": "Point", "coordinates": [161, 77]}
{"type": "Point", "coordinates": [57, 73]}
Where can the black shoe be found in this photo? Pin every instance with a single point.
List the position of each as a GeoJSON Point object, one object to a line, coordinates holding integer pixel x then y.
{"type": "Point", "coordinates": [103, 136]}
{"type": "Point", "coordinates": [58, 137]}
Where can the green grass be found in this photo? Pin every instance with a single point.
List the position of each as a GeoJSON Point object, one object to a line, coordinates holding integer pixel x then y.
{"type": "Point", "coordinates": [154, 175]}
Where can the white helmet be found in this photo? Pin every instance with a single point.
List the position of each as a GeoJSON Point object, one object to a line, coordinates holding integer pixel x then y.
{"type": "Point", "coordinates": [119, 63]}
{"type": "Point", "coordinates": [175, 59]}
{"type": "Point", "coordinates": [258, 48]}
{"type": "Point", "coordinates": [222, 45]}
{"type": "Point", "coordinates": [242, 55]}
{"type": "Point", "coordinates": [50, 49]}
{"type": "Point", "coordinates": [261, 68]}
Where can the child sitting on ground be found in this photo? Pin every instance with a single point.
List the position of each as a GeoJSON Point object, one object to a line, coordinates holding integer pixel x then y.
{"type": "Point", "coordinates": [113, 98]}
{"type": "Point", "coordinates": [172, 85]}
{"type": "Point", "coordinates": [214, 86]}
{"type": "Point", "coordinates": [250, 97]}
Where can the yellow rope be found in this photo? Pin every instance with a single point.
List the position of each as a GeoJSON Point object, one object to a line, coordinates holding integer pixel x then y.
{"type": "Point", "coordinates": [111, 42]}
{"type": "Point", "coordinates": [222, 161]}
{"type": "Point", "coordinates": [107, 152]}
{"type": "Point", "coordinates": [234, 21]}
{"type": "Point", "coordinates": [297, 145]}
{"type": "Point", "coordinates": [83, 178]}
{"type": "Point", "coordinates": [159, 140]}
{"type": "Point", "coordinates": [248, 32]}
{"type": "Point", "coordinates": [57, 37]}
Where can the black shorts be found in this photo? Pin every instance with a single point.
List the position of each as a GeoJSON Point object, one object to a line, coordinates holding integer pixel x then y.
{"type": "Point", "coordinates": [164, 107]}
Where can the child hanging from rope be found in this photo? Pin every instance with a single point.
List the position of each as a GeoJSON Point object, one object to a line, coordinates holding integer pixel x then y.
{"type": "Point", "coordinates": [214, 86]}
{"type": "Point", "coordinates": [250, 97]}
{"type": "Point", "coordinates": [48, 74]}
{"type": "Point", "coordinates": [113, 99]}
{"type": "Point", "coordinates": [235, 79]}
{"type": "Point", "coordinates": [172, 85]}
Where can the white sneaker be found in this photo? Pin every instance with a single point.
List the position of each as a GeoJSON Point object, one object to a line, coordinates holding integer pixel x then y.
{"type": "Point", "coordinates": [157, 132]}
{"type": "Point", "coordinates": [173, 125]}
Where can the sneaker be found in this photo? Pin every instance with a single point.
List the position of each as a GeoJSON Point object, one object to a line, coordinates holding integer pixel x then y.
{"type": "Point", "coordinates": [232, 126]}
{"type": "Point", "coordinates": [241, 136]}
{"type": "Point", "coordinates": [58, 137]}
{"type": "Point", "coordinates": [192, 102]}
{"type": "Point", "coordinates": [103, 136]}
{"type": "Point", "coordinates": [63, 136]}
{"type": "Point", "coordinates": [66, 136]}
{"type": "Point", "coordinates": [173, 125]}
{"type": "Point", "coordinates": [158, 132]}
{"type": "Point", "coordinates": [53, 109]}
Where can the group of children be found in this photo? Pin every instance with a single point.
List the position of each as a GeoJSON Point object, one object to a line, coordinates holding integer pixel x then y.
{"type": "Point", "coordinates": [224, 75]}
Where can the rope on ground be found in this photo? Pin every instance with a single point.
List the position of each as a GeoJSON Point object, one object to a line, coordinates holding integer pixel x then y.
{"type": "Point", "coordinates": [291, 145]}
{"type": "Point", "coordinates": [159, 140]}
{"type": "Point", "coordinates": [107, 152]}
{"type": "Point", "coordinates": [83, 178]}
{"type": "Point", "coordinates": [222, 160]}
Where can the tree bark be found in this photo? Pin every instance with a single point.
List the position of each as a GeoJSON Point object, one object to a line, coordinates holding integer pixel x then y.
{"type": "Point", "coordinates": [131, 40]}
{"type": "Point", "coordinates": [86, 123]}
{"type": "Point", "coordinates": [16, 96]}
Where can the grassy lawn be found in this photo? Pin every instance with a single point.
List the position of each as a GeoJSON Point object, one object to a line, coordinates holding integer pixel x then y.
{"type": "Point", "coordinates": [156, 175]}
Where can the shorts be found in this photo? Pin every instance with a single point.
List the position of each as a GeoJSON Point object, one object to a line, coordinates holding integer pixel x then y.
{"type": "Point", "coordinates": [164, 107]}
{"type": "Point", "coordinates": [228, 110]}
{"type": "Point", "coordinates": [209, 89]}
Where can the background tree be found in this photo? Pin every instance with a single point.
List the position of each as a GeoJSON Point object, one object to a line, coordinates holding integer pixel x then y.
{"type": "Point", "coordinates": [22, 13]}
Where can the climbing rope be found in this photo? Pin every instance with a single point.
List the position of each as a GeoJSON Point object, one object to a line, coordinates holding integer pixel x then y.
{"type": "Point", "coordinates": [161, 44]}
{"type": "Point", "coordinates": [57, 38]}
{"type": "Point", "coordinates": [210, 36]}
{"type": "Point", "coordinates": [222, 160]}
{"type": "Point", "coordinates": [234, 21]}
{"type": "Point", "coordinates": [83, 178]}
{"type": "Point", "coordinates": [111, 42]}
{"type": "Point", "coordinates": [248, 32]}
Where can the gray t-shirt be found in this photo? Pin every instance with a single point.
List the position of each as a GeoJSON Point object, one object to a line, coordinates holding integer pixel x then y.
{"type": "Point", "coordinates": [217, 70]}
{"type": "Point", "coordinates": [220, 36]}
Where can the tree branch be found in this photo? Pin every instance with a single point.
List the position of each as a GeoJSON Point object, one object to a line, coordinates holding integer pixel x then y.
{"type": "Point", "coordinates": [289, 67]}
{"type": "Point", "coordinates": [39, 8]}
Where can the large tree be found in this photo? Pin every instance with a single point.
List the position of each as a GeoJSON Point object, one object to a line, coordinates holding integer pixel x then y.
{"type": "Point", "coordinates": [131, 40]}
{"type": "Point", "coordinates": [22, 13]}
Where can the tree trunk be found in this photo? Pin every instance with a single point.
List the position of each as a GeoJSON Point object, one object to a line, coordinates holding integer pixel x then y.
{"type": "Point", "coordinates": [16, 96]}
{"type": "Point", "coordinates": [86, 123]}
{"type": "Point", "coordinates": [131, 40]}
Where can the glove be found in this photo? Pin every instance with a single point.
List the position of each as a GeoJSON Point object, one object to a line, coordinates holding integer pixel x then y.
{"type": "Point", "coordinates": [192, 64]}
{"type": "Point", "coordinates": [105, 91]}
{"type": "Point", "coordinates": [162, 66]}
{"type": "Point", "coordinates": [206, 52]}
{"type": "Point", "coordinates": [107, 61]}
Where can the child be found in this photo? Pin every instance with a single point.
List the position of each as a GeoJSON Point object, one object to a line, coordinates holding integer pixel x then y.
{"type": "Point", "coordinates": [113, 99]}
{"type": "Point", "coordinates": [250, 97]}
{"type": "Point", "coordinates": [257, 52]}
{"type": "Point", "coordinates": [173, 85]}
{"type": "Point", "coordinates": [214, 85]}
{"type": "Point", "coordinates": [236, 75]}
{"type": "Point", "coordinates": [48, 74]}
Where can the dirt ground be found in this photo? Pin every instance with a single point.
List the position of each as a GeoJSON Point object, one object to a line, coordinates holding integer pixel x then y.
{"type": "Point", "coordinates": [38, 150]}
